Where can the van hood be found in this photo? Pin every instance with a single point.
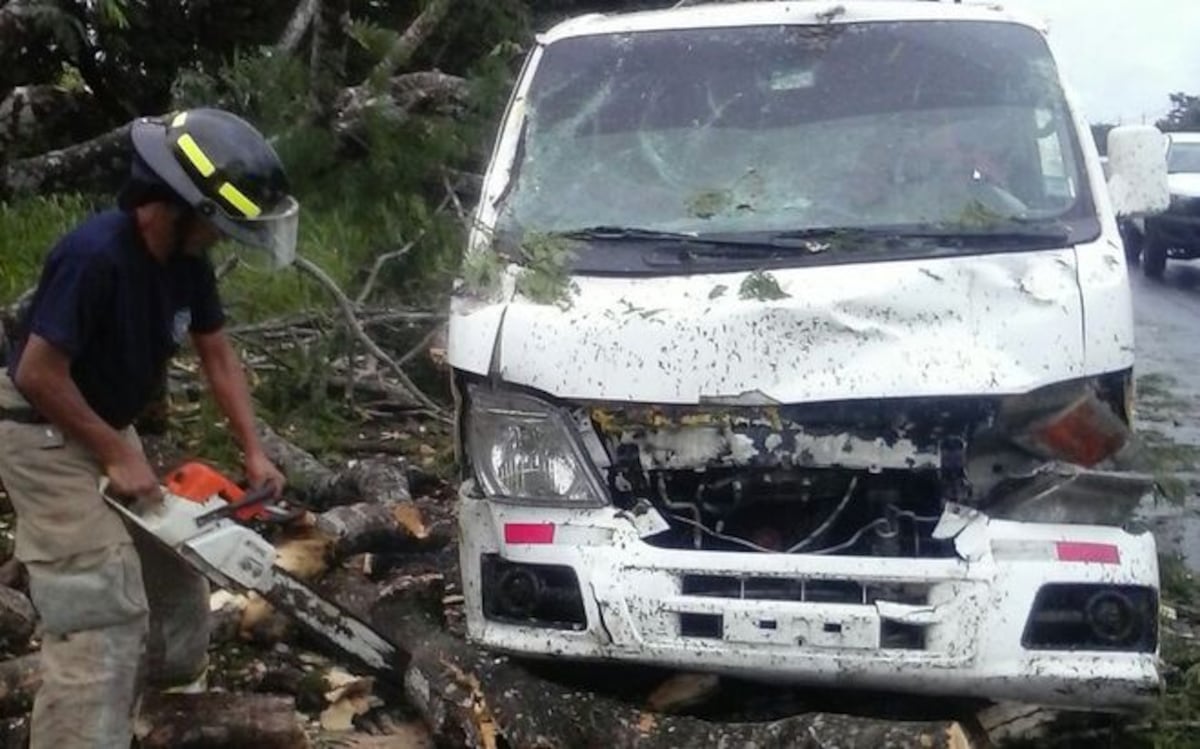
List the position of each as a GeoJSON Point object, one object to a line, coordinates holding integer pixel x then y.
{"type": "Point", "coordinates": [974, 325]}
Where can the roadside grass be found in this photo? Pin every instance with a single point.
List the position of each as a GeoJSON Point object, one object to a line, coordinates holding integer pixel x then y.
{"type": "Point", "coordinates": [29, 227]}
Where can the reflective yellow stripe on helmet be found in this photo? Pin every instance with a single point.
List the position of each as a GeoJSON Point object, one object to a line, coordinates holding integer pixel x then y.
{"type": "Point", "coordinates": [239, 200]}
{"type": "Point", "coordinates": [193, 153]}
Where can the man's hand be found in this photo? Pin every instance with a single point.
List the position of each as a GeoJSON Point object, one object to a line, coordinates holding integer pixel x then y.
{"type": "Point", "coordinates": [260, 470]}
{"type": "Point", "coordinates": [131, 476]}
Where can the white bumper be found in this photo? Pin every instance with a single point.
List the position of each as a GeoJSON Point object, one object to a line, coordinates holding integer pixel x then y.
{"type": "Point", "coordinates": [972, 623]}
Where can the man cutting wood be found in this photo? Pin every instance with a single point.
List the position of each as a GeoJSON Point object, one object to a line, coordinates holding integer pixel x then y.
{"type": "Point", "coordinates": [116, 298]}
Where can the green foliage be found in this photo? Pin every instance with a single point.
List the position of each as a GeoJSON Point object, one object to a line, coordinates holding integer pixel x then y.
{"type": "Point", "coordinates": [545, 276]}
{"type": "Point", "coordinates": [762, 286]}
{"type": "Point", "coordinates": [29, 227]}
{"type": "Point", "coordinates": [266, 88]}
{"type": "Point", "coordinates": [481, 273]}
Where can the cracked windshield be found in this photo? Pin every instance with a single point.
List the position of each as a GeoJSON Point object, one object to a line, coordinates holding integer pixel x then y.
{"type": "Point", "coordinates": [798, 129]}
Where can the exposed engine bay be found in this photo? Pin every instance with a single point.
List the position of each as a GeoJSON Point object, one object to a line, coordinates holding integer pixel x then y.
{"type": "Point", "coordinates": [855, 478]}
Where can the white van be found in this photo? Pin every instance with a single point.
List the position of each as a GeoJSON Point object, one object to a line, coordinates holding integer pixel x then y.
{"type": "Point", "coordinates": [791, 339]}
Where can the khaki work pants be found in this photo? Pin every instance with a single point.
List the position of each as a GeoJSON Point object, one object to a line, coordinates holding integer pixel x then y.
{"type": "Point", "coordinates": [115, 608]}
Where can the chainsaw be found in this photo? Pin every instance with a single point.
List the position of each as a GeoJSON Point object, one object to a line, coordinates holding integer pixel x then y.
{"type": "Point", "coordinates": [210, 522]}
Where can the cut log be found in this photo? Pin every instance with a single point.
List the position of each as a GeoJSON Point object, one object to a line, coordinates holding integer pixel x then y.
{"type": "Point", "coordinates": [373, 480]}
{"type": "Point", "coordinates": [208, 721]}
{"type": "Point", "coordinates": [381, 526]}
{"type": "Point", "coordinates": [17, 619]}
{"type": "Point", "coordinates": [19, 682]}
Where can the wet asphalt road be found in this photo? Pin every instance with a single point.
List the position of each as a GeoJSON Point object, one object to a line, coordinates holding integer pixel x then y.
{"type": "Point", "coordinates": [1167, 331]}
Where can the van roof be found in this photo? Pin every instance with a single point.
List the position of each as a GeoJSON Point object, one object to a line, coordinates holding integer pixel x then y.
{"type": "Point", "coordinates": [798, 12]}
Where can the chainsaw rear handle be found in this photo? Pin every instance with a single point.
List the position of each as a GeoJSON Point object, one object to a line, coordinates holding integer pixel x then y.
{"type": "Point", "coordinates": [136, 505]}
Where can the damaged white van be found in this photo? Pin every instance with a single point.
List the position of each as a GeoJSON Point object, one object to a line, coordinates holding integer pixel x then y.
{"type": "Point", "coordinates": [791, 340]}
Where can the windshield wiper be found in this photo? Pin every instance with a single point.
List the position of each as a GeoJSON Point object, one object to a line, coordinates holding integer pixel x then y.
{"type": "Point", "coordinates": [1049, 232]}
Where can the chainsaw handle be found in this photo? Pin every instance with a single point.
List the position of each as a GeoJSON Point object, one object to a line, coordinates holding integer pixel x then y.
{"type": "Point", "coordinates": [255, 496]}
{"type": "Point", "coordinates": [137, 506]}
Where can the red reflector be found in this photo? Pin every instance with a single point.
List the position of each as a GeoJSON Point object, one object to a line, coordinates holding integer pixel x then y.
{"type": "Point", "coordinates": [1078, 551]}
{"type": "Point", "coordinates": [528, 533]}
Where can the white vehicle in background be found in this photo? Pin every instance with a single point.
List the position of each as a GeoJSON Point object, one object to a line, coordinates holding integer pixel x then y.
{"type": "Point", "coordinates": [791, 338]}
{"type": "Point", "coordinates": [1174, 233]}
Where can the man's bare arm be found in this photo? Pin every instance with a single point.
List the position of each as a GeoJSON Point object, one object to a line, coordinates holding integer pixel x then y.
{"type": "Point", "coordinates": [44, 378]}
{"type": "Point", "coordinates": [223, 370]}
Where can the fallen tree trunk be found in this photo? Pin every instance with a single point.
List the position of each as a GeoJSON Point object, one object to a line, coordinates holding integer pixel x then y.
{"type": "Point", "coordinates": [376, 480]}
{"type": "Point", "coordinates": [101, 162]}
{"type": "Point", "coordinates": [474, 698]}
{"type": "Point", "coordinates": [209, 721]}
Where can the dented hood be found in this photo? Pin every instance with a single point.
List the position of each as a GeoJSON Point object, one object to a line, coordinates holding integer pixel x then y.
{"type": "Point", "coordinates": [987, 324]}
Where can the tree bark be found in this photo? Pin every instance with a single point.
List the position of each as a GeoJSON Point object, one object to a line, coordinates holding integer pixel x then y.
{"type": "Point", "coordinates": [402, 51]}
{"type": "Point", "coordinates": [214, 720]}
{"type": "Point", "coordinates": [19, 681]}
{"type": "Point", "coordinates": [470, 697]}
{"type": "Point", "coordinates": [399, 98]}
{"type": "Point", "coordinates": [374, 480]}
{"type": "Point", "coordinates": [380, 526]}
{"type": "Point", "coordinates": [100, 162]}
{"type": "Point", "coordinates": [301, 19]}
{"type": "Point", "coordinates": [17, 619]}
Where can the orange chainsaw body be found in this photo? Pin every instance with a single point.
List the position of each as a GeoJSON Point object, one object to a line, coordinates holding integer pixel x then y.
{"type": "Point", "coordinates": [200, 482]}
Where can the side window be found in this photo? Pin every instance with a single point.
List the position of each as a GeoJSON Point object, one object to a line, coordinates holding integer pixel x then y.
{"type": "Point", "coordinates": [1057, 185]}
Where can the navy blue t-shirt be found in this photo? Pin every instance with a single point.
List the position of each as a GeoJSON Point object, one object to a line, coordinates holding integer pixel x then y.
{"type": "Point", "coordinates": [117, 312]}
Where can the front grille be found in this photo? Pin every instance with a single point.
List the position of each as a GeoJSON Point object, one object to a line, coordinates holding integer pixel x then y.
{"type": "Point", "coordinates": [805, 590]}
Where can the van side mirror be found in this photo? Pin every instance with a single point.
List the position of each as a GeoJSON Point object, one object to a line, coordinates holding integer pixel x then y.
{"type": "Point", "coordinates": [1137, 170]}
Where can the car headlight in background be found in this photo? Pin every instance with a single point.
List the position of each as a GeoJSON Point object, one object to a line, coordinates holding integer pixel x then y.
{"type": "Point", "coordinates": [526, 450]}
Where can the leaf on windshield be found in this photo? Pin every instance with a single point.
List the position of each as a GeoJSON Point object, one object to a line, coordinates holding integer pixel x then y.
{"type": "Point", "coordinates": [718, 291]}
{"type": "Point", "coordinates": [762, 286]}
{"type": "Point", "coordinates": [976, 215]}
{"type": "Point", "coordinates": [708, 203]}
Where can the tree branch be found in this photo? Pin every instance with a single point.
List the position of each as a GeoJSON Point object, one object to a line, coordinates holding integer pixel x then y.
{"type": "Point", "coordinates": [98, 160]}
{"type": "Point", "coordinates": [301, 18]}
{"type": "Point", "coordinates": [413, 37]}
{"type": "Point", "coordinates": [352, 321]}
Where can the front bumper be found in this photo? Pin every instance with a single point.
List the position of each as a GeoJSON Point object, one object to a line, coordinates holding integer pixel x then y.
{"type": "Point", "coordinates": [971, 622]}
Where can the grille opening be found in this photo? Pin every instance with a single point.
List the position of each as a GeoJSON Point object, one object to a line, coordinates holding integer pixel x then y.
{"type": "Point", "coordinates": [709, 626]}
{"type": "Point", "coordinates": [900, 636]}
{"type": "Point", "coordinates": [799, 589]}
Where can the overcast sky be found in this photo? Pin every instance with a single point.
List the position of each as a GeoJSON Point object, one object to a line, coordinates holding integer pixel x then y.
{"type": "Point", "coordinates": [1123, 57]}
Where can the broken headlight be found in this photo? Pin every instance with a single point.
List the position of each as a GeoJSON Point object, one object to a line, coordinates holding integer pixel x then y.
{"type": "Point", "coordinates": [526, 450]}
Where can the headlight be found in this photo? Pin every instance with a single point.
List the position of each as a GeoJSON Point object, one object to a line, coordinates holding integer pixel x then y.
{"type": "Point", "coordinates": [525, 450]}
